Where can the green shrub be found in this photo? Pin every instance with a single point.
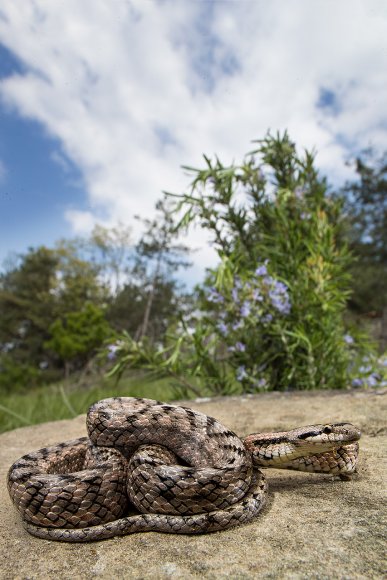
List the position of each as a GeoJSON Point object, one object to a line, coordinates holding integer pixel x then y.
{"type": "Point", "coordinates": [75, 339]}
{"type": "Point", "coordinates": [270, 315]}
{"type": "Point", "coordinates": [17, 376]}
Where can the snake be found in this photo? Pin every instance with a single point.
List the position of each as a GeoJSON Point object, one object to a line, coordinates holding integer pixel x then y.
{"type": "Point", "coordinates": [153, 466]}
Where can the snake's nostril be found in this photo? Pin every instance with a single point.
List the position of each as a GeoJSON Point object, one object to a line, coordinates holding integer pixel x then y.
{"type": "Point", "coordinates": [327, 430]}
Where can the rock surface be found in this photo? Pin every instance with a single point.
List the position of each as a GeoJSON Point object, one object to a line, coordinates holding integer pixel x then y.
{"type": "Point", "coordinates": [313, 526]}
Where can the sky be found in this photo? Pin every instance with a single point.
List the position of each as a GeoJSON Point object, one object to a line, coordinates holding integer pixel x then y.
{"type": "Point", "coordinates": [101, 103]}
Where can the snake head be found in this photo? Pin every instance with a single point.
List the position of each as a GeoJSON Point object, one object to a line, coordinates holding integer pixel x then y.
{"type": "Point", "coordinates": [328, 435]}
{"type": "Point", "coordinates": [281, 449]}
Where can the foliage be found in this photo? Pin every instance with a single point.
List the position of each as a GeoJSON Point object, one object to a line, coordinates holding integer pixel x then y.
{"type": "Point", "coordinates": [159, 256]}
{"type": "Point", "coordinates": [126, 311]}
{"type": "Point", "coordinates": [76, 338]}
{"type": "Point", "coordinates": [368, 369]}
{"type": "Point", "coordinates": [151, 297]}
{"type": "Point", "coordinates": [158, 363]}
{"type": "Point", "coordinates": [111, 250]}
{"type": "Point", "coordinates": [270, 315]}
{"type": "Point", "coordinates": [15, 376]}
{"type": "Point", "coordinates": [25, 298]}
{"type": "Point", "coordinates": [130, 287]}
{"type": "Point", "coordinates": [365, 206]}
{"type": "Point", "coordinates": [76, 278]}
{"type": "Point", "coordinates": [41, 287]}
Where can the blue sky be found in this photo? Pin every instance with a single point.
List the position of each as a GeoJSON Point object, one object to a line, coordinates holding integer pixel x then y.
{"type": "Point", "coordinates": [37, 184]}
{"type": "Point", "coordinates": [102, 102]}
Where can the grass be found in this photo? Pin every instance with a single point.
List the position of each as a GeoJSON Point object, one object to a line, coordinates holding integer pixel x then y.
{"type": "Point", "coordinates": [64, 401]}
{"type": "Point", "coordinates": [67, 400]}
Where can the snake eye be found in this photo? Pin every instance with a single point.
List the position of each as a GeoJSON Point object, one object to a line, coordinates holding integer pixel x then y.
{"type": "Point", "coordinates": [327, 430]}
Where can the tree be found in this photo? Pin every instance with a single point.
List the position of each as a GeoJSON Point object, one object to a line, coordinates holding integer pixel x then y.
{"type": "Point", "coordinates": [43, 286]}
{"type": "Point", "coordinates": [27, 304]}
{"type": "Point", "coordinates": [159, 256]}
{"type": "Point", "coordinates": [110, 250]}
{"type": "Point", "coordinates": [75, 339]}
{"type": "Point", "coordinates": [365, 206]}
{"type": "Point", "coordinates": [127, 310]}
{"type": "Point", "coordinates": [77, 278]}
{"type": "Point", "coordinates": [43, 290]}
{"type": "Point", "coordinates": [152, 297]}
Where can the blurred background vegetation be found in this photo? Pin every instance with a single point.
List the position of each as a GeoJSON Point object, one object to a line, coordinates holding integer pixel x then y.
{"type": "Point", "coordinates": [297, 300]}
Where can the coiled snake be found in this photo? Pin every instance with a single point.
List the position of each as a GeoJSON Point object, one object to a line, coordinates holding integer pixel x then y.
{"type": "Point", "coordinates": [182, 470]}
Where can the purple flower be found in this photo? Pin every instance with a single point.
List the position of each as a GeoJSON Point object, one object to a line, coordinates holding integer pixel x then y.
{"type": "Point", "coordinates": [348, 339]}
{"type": "Point", "coordinates": [372, 381]}
{"type": "Point", "coordinates": [222, 327]}
{"type": "Point", "coordinates": [280, 288]}
{"type": "Point", "coordinates": [261, 384]}
{"type": "Point", "coordinates": [241, 373]}
{"type": "Point", "coordinates": [279, 297]}
{"type": "Point", "coordinates": [245, 309]}
{"type": "Point", "coordinates": [299, 192]}
{"type": "Point", "coordinates": [357, 382]}
{"type": "Point", "coordinates": [284, 308]}
{"type": "Point", "coordinates": [257, 295]}
{"type": "Point", "coordinates": [267, 318]}
{"type": "Point", "coordinates": [261, 270]}
{"type": "Point", "coordinates": [238, 324]}
{"type": "Point", "coordinates": [268, 280]}
{"type": "Point", "coordinates": [215, 296]}
{"type": "Point", "coordinates": [112, 351]}
{"type": "Point", "coordinates": [365, 369]}
{"type": "Point", "coordinates": [239, 346]}
{"type": "Point", "coordinates": [234, 294]}
{"type": "Point", "coordinates": [280, 303]}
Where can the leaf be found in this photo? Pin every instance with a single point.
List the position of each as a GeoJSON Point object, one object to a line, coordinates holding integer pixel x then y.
{"type": "Point", "coordinates": [185, 220]}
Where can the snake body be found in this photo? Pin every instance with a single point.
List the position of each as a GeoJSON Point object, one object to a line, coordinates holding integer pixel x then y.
{"type": "Point", "coordinates": [183, 472]}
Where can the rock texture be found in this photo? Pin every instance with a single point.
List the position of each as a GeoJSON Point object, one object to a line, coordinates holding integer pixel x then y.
{"type": "Point", "coordinates": [313, 526]}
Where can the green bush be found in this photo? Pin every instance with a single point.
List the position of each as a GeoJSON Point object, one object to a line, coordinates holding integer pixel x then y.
{"type": "Point", "coordinates": [270, 316]}
{"type": "Point", "coordinates": [17, 376]}
{"type": "Point", "coordinates": [76, 338]}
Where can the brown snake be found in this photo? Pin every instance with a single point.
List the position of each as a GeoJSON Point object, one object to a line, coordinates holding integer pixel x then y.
{"type": "Point", "coordinates": [182, 470]}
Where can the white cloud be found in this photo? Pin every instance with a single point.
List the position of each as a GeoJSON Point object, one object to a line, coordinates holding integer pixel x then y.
{"type": "Point", "coordinates": [82, 221]}
{"type": "Point", "coordinates": [133, 89]}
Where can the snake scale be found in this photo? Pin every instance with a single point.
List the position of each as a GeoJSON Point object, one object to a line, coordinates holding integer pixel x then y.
{"type": "Point", "coordinates": [147, 465]}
